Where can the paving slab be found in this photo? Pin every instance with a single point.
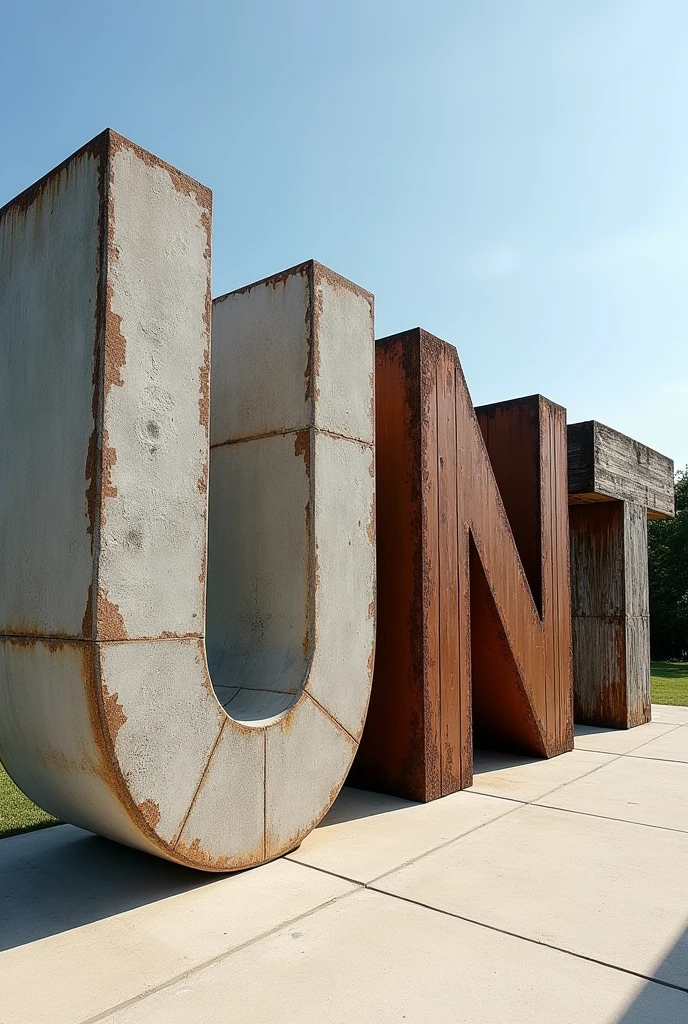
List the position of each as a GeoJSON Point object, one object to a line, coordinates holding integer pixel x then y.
{"type": "Point", "coordinates": [366, 834]}
{"type": "Point", "coordinates": [375, 960]}
{"type": "Point", "coordinates": [86, 924]}
{"type": "Point", "coordinates": [527, 778]}
{"type": "Point", "coordinates": [609, 890]}
{"type": "Point", "coordinates": [647, 791]}
{"type": "Point", "coordinates": [672, 746]}
{"type": "Point", "coordinates": [672, 714]}
{"type": "Point", "coordinates": [618, 741]}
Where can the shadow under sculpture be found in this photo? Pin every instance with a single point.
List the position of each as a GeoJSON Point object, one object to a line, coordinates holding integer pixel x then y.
{"type": "Point", "coordinates": [615, 485]}
{"type": "Point", "coordinates": [473, 588]}
{"type": "Point", "coordinates": [108, 716]}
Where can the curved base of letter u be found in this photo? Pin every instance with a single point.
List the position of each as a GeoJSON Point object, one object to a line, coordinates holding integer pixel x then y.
{"type": "Point", "coordinates": [110, 512]}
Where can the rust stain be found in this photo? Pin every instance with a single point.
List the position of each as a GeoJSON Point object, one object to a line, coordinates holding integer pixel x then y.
{"type": "Point", "coordinates": [274, 281]}
{"type": "Point", "coordinates": [108, 461]}
{"type": "Point", "coordinates": [114, 713]}
{"type": "Point", "coordinates": [371, 610]}
{"type": "Point", "coordinates": [202, 483]}
{"type": "Point", "coordinates": [194, 855]}
{"type": "Point", "coordinates": [115, 342]}
{"type": "Point", "coordinates": [182, 182]}
{"type": "Point", "coordinates": [370, 528]}
{"type": "Point", "coordinates": [52, 183]}
{"type": "Point", "coordinates": [310, 334]}
{"type": "Point", "coordinates": [302, 447]}
{"type": "Point", "coordinates": [167, 635]}
{"type": "Point", "coordinates": [30, 635]}
{"type": "Point", "coordinates": [87, 624]}
{"type": "Point", "coordinates": [115, 354]}
{"type": "Point", "coordinates": [110, 623]}
{"type": "Point", "coordinates": [150, 812]}
{"type": "Point", "coordinates": [204, 399]}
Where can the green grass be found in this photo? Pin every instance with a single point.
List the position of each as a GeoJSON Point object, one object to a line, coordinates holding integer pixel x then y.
{"type": "Point", "coordinates": [670, 682]}
{"type": "Point", "coordinates": [17, 813]}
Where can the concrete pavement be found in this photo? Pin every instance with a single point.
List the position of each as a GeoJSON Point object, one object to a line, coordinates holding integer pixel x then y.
{"type": "Point", "coordinates": [552, 891]}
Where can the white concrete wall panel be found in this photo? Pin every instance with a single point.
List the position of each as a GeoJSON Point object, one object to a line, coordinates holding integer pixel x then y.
{"type": "Point", "coordinates": [108, 715]}
{"type": "Point", "coordinates": [259, 613]}
{"type": "Point", "coordinates": [50, 258]}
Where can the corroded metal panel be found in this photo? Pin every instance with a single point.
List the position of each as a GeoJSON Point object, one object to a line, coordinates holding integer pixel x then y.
{"type": "Point", "coordinates": [458, 622]}
{"type": "Point", "coordinates": [109, 714]}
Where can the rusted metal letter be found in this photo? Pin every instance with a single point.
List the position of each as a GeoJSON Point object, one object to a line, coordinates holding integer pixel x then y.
{"type": "Point", "coordinates": [108, 715]}
{"type": "Point", "coordinates": [473, 596]}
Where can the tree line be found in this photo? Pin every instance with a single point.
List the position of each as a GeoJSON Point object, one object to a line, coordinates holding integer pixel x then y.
{"type": "Point", "coordinates": [668, 550]}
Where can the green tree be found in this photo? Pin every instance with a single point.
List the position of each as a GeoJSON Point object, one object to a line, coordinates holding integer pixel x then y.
{"type": "Point", "coordinates": [668, 548]}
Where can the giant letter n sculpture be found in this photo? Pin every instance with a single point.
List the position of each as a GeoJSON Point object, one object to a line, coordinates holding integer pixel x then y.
{"type": "Point", "coordinates": [456, 614]}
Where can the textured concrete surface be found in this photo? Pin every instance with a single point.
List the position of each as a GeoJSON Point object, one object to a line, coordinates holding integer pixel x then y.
{"type": "Point", "coordinates": [112, 523]}
{"type": "Point", "coordinates": [475, 908]}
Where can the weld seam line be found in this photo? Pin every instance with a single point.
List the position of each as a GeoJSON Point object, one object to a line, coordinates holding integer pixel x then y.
{"type": "Point", "coordinates": [292, 430]}
{"type": "Point", "coordinates": [48, 639]}
{"type": "Point", "coordinates": [200, 783]}
{"type": "Point", "coordinates": [330, 716]}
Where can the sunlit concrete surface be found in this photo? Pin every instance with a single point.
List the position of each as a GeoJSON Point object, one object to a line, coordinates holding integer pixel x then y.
{"type": "Point", "coordinates": [552, 891]}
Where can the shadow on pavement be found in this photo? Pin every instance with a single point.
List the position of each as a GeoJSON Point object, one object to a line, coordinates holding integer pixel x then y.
{"type": "Point", "coordinates": [62, 877]}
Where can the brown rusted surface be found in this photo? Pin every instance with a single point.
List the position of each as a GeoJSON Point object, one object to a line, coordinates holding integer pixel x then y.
{"type": "Point", "coordinates": [458, 623]}
{"type": "Point", "coordinates": [393, 757]}
{"type": "Point", "coordinates": [150, 811]}
{"type": "Point", "coordinates": [302, 448]}
{"type": "Point", "coordinates": [204, 399]}
{"type": "Point", "coordinates": [182, 182]}
{"type": "Point", "coordinates": [110, 624]}
{"type": "Point", "coordinates": [526, 443]}
{"type": "Point", "coordinates": [114, 713]}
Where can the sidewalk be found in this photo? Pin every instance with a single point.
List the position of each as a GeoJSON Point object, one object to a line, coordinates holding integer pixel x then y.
{"type": "Point", "coordinates": [551, 892]}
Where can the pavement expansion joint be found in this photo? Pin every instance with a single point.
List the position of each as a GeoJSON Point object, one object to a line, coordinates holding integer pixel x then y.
{"type": "Point", "coordinates": [528, 938]}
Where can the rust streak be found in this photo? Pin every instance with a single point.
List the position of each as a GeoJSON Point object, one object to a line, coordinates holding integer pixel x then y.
{"type": "Point", "coordinates": [110, 624]}
{"type": "Point", "coordinates": [114, 713]}
{"type": "Point", "coordinates": [150, 811]}
{"type": "Point", "coordinates": [302, 448]}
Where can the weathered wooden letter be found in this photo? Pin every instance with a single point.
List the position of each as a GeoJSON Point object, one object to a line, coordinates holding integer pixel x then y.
{"type": "Point", "coordinates": [615, 484]}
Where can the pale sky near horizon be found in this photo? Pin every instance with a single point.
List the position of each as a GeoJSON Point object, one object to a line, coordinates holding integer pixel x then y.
{"type": "Point", "coordinates": [511, 175]}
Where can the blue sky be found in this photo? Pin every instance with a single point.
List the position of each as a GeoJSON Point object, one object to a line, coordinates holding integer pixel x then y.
{"type": "Point", "coordinates": [510, 174]}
